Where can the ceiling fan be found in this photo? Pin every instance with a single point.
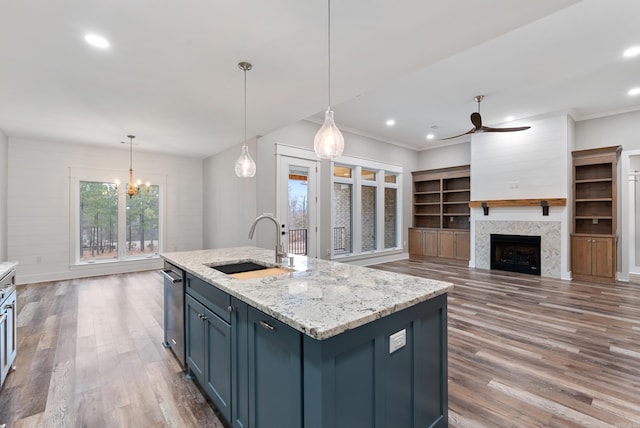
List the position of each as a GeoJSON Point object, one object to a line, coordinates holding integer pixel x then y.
{"type": "Point", "coordinates": [476, 119]}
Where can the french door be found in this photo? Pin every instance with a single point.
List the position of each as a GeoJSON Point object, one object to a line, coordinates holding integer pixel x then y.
{"type": "Point", "coordinates": [298, 204]}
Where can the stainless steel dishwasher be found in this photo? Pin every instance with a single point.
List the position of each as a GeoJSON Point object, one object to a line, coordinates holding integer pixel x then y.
{"type": "Point", "coordinates": [174, 310]}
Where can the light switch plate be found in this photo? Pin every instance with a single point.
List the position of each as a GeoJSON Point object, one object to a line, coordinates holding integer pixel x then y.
{"type": "Point", "coordinates": [397, 340]}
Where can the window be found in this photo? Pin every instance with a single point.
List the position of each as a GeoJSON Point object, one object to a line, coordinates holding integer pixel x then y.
{"type": "Point", "coordinates": [98, 221]}
{"type": "Point", "coordinates": [366, 213]}
{"type": "Point", "coordinates": [343, 209]}
{"type": "Point", "coordinates": [110, 225]}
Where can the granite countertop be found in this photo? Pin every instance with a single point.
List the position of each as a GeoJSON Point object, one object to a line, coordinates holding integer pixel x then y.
{"type": "Point", "coordinates": [6, 267]}
{"type": "Point", "coordinates": [318, 297]}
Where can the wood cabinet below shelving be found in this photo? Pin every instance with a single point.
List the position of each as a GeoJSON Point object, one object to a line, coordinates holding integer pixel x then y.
{"type": "Point", "coordinates": [593, 258]}
{"type": "Point", "coordinates": [447, 244]}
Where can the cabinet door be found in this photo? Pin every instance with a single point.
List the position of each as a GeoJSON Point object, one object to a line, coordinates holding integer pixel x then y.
{"type": "Point", "coordinates": [461, 245]}
{"type": "Point", "coordinates": [445, 244]}
{"type": "Point", "coordinates": [602, 260]}
{"type": "Point", "coordinates": [4, 361]}
{"type": "Point", "coordinates": [195, 332]}
{"type": "Point", "coordinates": [416, 243]}
{"type": "Point", "coordinates": [240, 365]}
{"type": "Point", "coordinates": [430, 238]}
{"type": "Point", "coordinates": [218, 362]}
{"type": "Point", "coordinates": [275, 373]}
{"type": "Point", "coordinates": [581, 255]}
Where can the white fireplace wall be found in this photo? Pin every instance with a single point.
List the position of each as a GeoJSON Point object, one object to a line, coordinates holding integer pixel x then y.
{"type": "Point", "coordinates": [532, 164]}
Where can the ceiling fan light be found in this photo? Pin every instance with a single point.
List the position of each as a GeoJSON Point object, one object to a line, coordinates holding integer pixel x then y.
{"type": "Point", "coordinates": [328, 142]}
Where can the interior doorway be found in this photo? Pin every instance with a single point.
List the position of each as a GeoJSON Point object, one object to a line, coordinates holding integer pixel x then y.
{"type": "Point", "coordinates": [298, 204]}
{"type": "Point", "coordinates": [634, 219]}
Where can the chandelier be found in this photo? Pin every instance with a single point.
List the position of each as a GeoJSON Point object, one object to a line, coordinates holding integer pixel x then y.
{"type": "Point", "coordinates": [133, 187]}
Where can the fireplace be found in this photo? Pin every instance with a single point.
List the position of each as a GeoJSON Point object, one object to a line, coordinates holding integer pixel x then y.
{"type": "Point", "coordinates": [516, 253]}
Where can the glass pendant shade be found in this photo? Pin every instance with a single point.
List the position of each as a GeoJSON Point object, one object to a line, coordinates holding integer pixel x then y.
{"type": "Point", "coordinates": [245, 165]}
{"type": "Point", "coordinates": [328, 142]}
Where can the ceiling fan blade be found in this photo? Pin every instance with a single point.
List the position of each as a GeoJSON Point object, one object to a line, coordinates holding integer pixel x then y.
{"type": "Point", "coordinates": [471, 131]}
{"type": "Point", "coordinates": [476, 119]}
{"type": "Point", "coordinates": [489, 129]}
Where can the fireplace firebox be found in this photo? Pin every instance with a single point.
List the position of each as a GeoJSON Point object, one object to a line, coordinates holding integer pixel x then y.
{"type": "Point", "coordinates": [516, 253]}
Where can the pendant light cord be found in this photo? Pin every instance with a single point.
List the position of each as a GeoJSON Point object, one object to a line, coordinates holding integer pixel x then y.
{"type": "Point", "coordinates": [329, 50]}
{"type": "Point", "coordinates": [244, 142]}
{"type": "Point", "coordinates": [130, 152]}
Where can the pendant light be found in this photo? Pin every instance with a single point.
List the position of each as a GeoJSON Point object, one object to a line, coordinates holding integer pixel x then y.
{"type": "Point", "coordinates": [328, 142]}
{"type": "Point", "coordinates": [245, 166]}
{"type": "Point", "coordinates": [133, 187]}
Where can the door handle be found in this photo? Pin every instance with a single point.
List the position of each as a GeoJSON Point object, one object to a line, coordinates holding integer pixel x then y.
{"type": "Point", "coordinates": [174, 279]}
{"type": "Point", "coordinates": [267, 325]}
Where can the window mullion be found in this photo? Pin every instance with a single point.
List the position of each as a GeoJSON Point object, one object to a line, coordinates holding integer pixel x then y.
{"type": "Point", "coordinates": [122, 224]}
{"type": "Point", "coordinates": [357, 210]}
{"type": "Point", "coordinates": [380, 232]}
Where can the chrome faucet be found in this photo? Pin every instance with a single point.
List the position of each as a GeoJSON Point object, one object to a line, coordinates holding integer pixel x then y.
{"type": "Point", "coordinates": [279, 248]}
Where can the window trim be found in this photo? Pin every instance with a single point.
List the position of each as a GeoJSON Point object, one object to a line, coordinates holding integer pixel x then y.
{"type": "Point", "coordinates": [76, 175]}
{"type": "Point", "coordinates": [356, 165]}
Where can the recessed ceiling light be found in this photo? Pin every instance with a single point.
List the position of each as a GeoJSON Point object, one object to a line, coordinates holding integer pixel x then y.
{"type": "Point", "coordinates": [97, 41]}
{"type": "Point", "coordinates": [634, 91]}
{"type": "Point", "coordinates": [632, 51]}
{"type": "Point", "coordinates": [430, 136]}
{"type": "Point", "coordinates": [391, 122]}
{"type": "Point", "coordinates": [509, 118]}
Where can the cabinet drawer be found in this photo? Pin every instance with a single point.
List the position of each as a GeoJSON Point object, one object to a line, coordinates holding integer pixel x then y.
{"type": "Point", "coordinates": [214, 299]}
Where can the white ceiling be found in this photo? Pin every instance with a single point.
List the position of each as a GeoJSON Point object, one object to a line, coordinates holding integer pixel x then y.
{"type": "Point", "coordinates": [171, 75]}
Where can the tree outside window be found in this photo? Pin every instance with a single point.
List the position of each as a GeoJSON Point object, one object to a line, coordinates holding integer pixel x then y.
{"type": "Point", "coordinates": [99, 227]}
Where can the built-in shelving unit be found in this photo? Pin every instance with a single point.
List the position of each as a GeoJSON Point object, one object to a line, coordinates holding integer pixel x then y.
{"type": "Point", "coordinates": [441, 198]}
{"type": "Point", "coordinates": [593, 242]}
{"type": "Point", "coordinates": [441, 213]}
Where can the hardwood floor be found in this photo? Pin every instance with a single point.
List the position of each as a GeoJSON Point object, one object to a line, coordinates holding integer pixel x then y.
{"type": "Point", "coordinates": [529, 352]}
{"type": "Point", "coordinates": [90, 355]}
{"type": "Point", "coordinates": [523, 352]}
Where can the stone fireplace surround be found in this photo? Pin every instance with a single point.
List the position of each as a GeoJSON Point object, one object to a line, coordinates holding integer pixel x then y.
{"type": "Point", "coordinates": [550, 241]}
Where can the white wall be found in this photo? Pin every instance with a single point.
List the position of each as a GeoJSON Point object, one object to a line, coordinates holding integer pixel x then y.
{"type": "Point", "coordinates": [523, 165]}
{"type": "Point", "coordinates": [300, 134]}
{"type": "Point", "coordinates": [229, 201]}
{"type": "Point", "coordinates": [39, 211]}
{"type": "Point", "coordinates": [616, 130]}
{"type": "Point", "coordinates": [4, 178]}
{"type": "Point", "coordinates": [444, 157]}
{"type": "Point", "coordinates": [520, 165]}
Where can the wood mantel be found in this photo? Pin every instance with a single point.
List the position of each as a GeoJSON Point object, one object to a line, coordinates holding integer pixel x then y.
{"type": "Point", "coordinates": [544, 203]}
{"type": "Point", "coordinates": [552, 202]}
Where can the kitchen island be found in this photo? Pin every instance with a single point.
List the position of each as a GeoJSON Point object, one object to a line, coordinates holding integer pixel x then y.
{"type": "Point", "coordinates": [319, 345]}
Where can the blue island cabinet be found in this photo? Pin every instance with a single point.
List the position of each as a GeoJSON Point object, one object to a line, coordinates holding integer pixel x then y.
{"type": "Point", "coordinates": [208, 342]}
{"type": "Point", "coordinates": [262, 373]}
{"type": "Point", "coordinates": [267, 374]}
{"type": "Point", "coordinates": [389, 373]}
